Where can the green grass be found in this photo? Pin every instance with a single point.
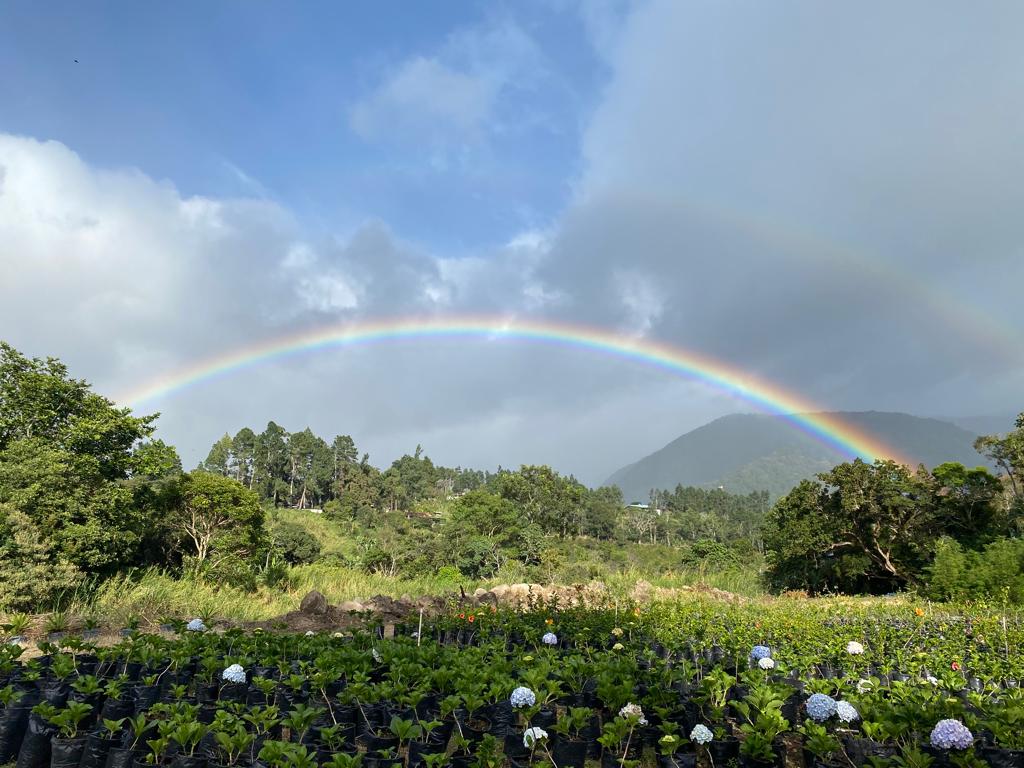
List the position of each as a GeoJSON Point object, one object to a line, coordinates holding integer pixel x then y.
{"type": "Point", "coordinates": [153, 595]}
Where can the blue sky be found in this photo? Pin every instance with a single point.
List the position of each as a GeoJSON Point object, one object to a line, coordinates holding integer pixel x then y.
{"type": "Point", "coordinates": [241, 98]}
{"type": "Point", "coordinates": [824, 195]}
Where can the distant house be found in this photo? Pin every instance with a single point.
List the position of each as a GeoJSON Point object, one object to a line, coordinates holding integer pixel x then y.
{"type": "Point", "coordinates": [640, 505]}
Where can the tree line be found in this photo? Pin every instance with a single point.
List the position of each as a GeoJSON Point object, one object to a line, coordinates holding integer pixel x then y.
{"type": "Point", "coordinates": [952, 532]}
{"type": "Point", "coordinates": [86, 492]}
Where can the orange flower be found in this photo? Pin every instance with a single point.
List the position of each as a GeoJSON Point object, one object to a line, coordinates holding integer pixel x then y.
{"type": "Point", "coordinates": [919, 611]}
{"type": "Point", "coordinates": [955, 666]}
{"type": "Point", "coordinates": [462, 615]}
{"type": "Point", "coordinates": [549, 622]}
{"type": "Point", "coordinates": [472, 618]}
{"type": "Point", "coordinates": [636, 611]}
{"type": "Point", "coordinates": [493, 609]}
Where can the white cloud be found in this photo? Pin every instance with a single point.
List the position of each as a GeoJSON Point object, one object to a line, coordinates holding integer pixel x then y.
{"type": "Point", "coordinates": [424, 93]}
{"type": "Point", "coordinates": [451, 96]}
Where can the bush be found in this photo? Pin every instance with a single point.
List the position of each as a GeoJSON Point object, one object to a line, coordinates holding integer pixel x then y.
{"type": "Point", "coordinates": [994, 573]}
{"type": "Point", "coordinates": [31, 576]}
{"type": "Point", "coordinates": [295, 544]}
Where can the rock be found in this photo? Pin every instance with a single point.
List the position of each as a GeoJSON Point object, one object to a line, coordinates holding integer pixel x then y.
{"type": "Point", "coordinates": [314, 602]}
{"type": "Point", "coordinates": [479, 592]}
{"type": "Point", "coordinates": [353, 606]}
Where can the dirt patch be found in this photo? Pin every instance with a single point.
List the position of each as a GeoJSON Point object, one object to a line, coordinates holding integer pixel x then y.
{"type": "Point", "coordinates": [317, 616]}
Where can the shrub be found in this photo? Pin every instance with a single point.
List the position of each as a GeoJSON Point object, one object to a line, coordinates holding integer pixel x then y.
{"type": "Point", "coordinates": [295, 544]}
{"type": "Point", "coordinates": [31, 576]}
{"type": "Point", "coordinates": [996, 572]}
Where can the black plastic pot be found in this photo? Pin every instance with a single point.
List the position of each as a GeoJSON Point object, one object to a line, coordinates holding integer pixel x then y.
{"type": "Point", "coordinates": [122, 757]}
{"type": "Point", "coordinates": [35, 747]}
{"type": "Point", "coordinates": [724, 750]}
{"type": "Point", "coordinates": [997, 757]}
{"type": "Point", "coordinates": [12, 729]}
{"type": "Point", "coordinates": [188, 761]}
{"type": "Point", "coordinates": [474, 729]}
{"type": "Point", "coordinates": [145, 697]}
{"type": "Point", "coordinates": [97, 747]}
{"type": "Point", "coordinates": [66, 753]}
{"type": "Point", "coordinates": [418, 749]}
{"type": "Point", "coordinates": [374, 743]}
{"type": "Point", "coordinates": [678, 760]}
{"type": "Point", "coordinates": [514, 747]}
{"type": "Point", "coordinates": [569, 754]}
{"type": "Point", "coordinates": [544, 718]}
{"type": "Point", "coordinates": [115, 709]}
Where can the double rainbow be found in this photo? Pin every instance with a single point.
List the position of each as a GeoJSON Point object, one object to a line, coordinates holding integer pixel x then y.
{"type": "Point", "coordinates": [846, 438]}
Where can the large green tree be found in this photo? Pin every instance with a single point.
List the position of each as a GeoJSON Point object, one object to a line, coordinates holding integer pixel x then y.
{"type": "Point", "coordinates": [217, 519]}
{"type": "Point", "coordinates": [72, 466]}
{"type": "Point", "coordinates": [1007, 452]}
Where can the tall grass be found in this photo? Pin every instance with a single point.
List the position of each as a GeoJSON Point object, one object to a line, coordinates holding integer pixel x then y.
{"type": "Point", "coordinates": [153, 595]}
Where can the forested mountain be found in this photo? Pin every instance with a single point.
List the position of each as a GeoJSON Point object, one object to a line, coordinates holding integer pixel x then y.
{"type": "Point", "coordinates": [750, 452]}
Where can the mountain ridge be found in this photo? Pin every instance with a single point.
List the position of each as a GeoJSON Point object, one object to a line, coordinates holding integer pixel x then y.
{"type": "Point", "coordinates": [746, 452]}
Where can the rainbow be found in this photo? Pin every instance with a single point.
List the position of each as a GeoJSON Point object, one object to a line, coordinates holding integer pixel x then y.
{"type": "Point", "coordinates": [848, 439]}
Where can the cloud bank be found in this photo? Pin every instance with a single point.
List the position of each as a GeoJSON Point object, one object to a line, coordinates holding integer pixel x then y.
{"type": "Point", "coordinates": [825, 196]}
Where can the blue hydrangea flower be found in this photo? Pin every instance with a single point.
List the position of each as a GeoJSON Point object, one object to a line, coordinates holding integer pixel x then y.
{"type": "Point", "coordinates": [523, 697]}
{"type": "Point", "coordinates": [234, 674]}
{"type": "Point", "coordinates": [550, 638]}
{"type": "Point", "coordinates": [951, 734]}
{"type": "Point", "coordinates": [846, 712]}
{"type": "Point", "coordinates": [759, 652]}
{"type": "Point", "coordinates": [196, 625]}
{"type": "Point", "coordinates": [701, 734]}
{"type": "Point", "coordinates": [821, 707]}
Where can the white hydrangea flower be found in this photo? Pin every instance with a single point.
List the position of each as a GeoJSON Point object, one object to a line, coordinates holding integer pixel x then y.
{"type": "Point", "coordinates": [196, 625]}
{"type": "Point", "coordinates": [701, 734]}
{"type": "Point", "coordinates": [766, 663]}
{"type": "Point", "coordinates": [618, 647]}
{"type": "Point", "coordinates": [234, 674]}
{"type": "Point", "coordinates": [532, 735]}
{"type": "Point", "coordinates": [376, 655]}
{"type": "Point", "coordinates": [550, 638]}
{"type": "Point", "coordinates": [846, 712]}
{"type": "Point", "coordinates": [310, 633]}
{"type": "Point", "coordinates": [854, 648]}
{"type": "Point", "coordinates": [633, 710]}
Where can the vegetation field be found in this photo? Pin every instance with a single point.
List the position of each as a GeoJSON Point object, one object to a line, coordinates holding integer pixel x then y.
{"type": "Point", "coordinates": [683, 682]}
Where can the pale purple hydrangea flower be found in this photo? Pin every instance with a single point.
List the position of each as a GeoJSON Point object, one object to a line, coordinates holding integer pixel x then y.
{"type": "Point", "coordinates": [951, 734]}
{"type": "Point", "coordinates": [759, 652]}
{"type": "Point", "coordinates": [550, 638]}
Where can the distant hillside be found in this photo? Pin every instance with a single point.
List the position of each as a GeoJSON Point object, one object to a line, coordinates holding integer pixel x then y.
{"type": "Point", "coordinates": [750, 452]}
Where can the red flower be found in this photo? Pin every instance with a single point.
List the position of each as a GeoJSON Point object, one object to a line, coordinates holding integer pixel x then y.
{"type": "Point", "coordinates": [955, 666]}
{"type": "Point", "coordinates": [472, 618]}
{"type": "Point", "coordinates": [462, 615]}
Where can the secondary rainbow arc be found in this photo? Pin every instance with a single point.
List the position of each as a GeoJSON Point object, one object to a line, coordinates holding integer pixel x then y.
{"type": "Point", "coordinates": [847, 438]}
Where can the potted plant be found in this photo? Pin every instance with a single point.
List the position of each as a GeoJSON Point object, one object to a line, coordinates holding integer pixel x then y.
{"type": "Point", "coordinates": [570, 748]}
{"type": "Point", "coordinates": [68, 743]}
{"type": "Point", "coordinates": [125, 756]}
